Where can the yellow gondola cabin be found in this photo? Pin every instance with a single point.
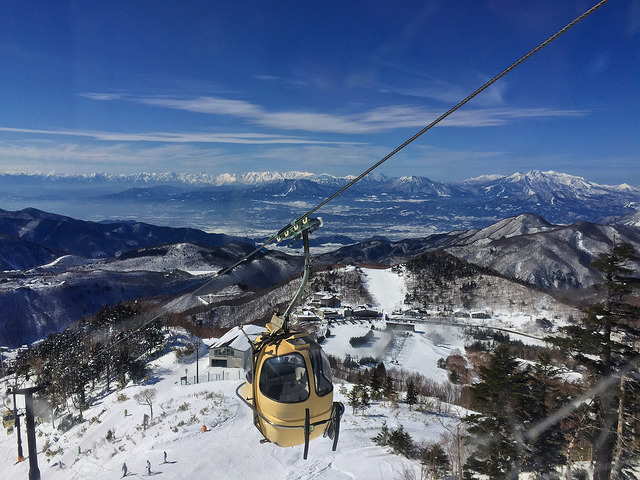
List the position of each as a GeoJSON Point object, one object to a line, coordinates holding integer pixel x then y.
{"type": "Point", "coordinates": [288, 379]}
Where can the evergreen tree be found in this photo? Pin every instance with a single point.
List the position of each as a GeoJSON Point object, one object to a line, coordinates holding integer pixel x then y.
{"type": "Point", "coordinates": [358, 396]}
{"type": "Point", "coordinates": [398, 440]}
{"type": "Point", "coordinates": [401, 442]}
{"type": "Point", "coordinates": [153, 336]}
{"type": "Point", "coordinates": [353, 398]}
{"type": "Point", "coordinates": [412, 394]}
{"type": "Point", "coordinates": [496, 432]}
{"type": "Point", "coordinates": [605, 342]}
{"type": "Point", "coordinates": [365, 398]}
{"type": "Point", "coordinates": [382, 438]}
{"type": "Point", "coordinates": [544, 452]}
{"type": "Point", "coordinates": [434, 462]}
{"type": "Point", "coordinates": [71, 362]}
{"type": "Point", "coordinates": [376, 381]}
{"type": "Point", "coordinates": [389, 389]}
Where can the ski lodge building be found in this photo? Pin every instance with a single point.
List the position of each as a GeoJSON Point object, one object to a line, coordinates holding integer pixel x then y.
{"type": "Point", "coordinates": [324, 299]}
{"type": "Point", "coordinates": [228, 350]}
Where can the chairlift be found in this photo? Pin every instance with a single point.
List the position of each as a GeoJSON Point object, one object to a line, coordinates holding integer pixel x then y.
{"type": "Point", "coordinates": [288, 378]}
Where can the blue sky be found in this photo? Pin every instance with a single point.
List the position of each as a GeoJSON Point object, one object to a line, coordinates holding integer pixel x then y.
{"type": "Point", "coordinates": [325, 87]}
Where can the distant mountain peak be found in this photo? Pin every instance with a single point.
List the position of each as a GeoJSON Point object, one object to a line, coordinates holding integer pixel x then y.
{"type": "Point", "coordinates": [253, 178]}
{"type": "Point", "coordinates": [409, 205]}
{"type": "Point", "coordinates": [523, 224]}
{"type": "Point", "coordinates": [414, 184]}
{"type": "Point", "coordinates": [536, 176]}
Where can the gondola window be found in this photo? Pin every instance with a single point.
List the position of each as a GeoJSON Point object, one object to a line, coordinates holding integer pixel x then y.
{"type": "Point", "coordinates": [321, 371]}
{"type": "Point", "coordinates": [284, 379]}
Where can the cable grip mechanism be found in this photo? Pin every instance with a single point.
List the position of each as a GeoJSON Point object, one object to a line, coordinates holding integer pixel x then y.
{"type": "Point", "coordinates": [293, 231]}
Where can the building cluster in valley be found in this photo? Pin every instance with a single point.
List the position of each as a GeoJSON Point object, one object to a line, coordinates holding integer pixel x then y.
{"type": "Point", "coordinates": [322, 309]}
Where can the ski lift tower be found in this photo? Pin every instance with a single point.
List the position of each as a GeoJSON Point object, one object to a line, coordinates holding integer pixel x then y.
{"type": "Point", "coordinates": [34, 471]}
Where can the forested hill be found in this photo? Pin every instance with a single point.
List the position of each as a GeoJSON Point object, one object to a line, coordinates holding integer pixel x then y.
{"type": "Point", "coordinates": [525, 247]}
{"type": "Point", "coordinates": [41, 232]}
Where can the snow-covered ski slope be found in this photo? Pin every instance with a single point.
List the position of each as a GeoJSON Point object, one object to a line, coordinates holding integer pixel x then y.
{"type": "Point", "coordinates": [230, 446]}
{"type": "Point", "coordinates": [386, 287]}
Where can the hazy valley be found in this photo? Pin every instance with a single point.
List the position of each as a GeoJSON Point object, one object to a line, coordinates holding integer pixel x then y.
{"type": "Point", "coordinates": [58, 269]}
{"type": "Point", "coordinates": [261, 203]}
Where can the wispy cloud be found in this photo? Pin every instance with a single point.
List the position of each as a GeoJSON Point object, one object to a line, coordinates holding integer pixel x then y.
{"type": "Point", "coordinates": [68, 157]}
{"type": "Point", "coordinates": [280, 80]}
{"type": "Point", "coordinates": [411, 81]}
{"type": "Point", "coordinates": [102, 96]}
{"type": "Point", "coordinates": [377, 120]}
{"type": "Point", "coordinates": [170, 137]}
{"type": "Point", "coordinates": [212, 105]}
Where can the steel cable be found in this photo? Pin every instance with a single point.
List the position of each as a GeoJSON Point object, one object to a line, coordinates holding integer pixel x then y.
{"type": "Point", "coordinates": [162, 309]}
{"type": "Point", "coordinates": [417, 135]}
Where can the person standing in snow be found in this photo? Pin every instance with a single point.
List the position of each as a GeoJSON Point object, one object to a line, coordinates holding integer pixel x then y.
{"type": "Point", "coordinates": [124, 470]}
{"type": "Point", "coordinates": [165, 457]}
{"type": "Point", "coordinates": [148, 467]}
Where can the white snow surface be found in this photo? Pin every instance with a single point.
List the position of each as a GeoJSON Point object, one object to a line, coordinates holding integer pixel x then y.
{"type": "Point", "coordinates": [67, 261]}
{"type": "Point", "coordinates": [231, 445]}
{"type": "Point", "coordinates": [386, 287]}
{"type": "Point", "coordinates": [412, 351]}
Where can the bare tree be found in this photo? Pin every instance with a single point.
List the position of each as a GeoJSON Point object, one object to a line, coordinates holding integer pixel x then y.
{"type": "Point", "coordinates": [454, 446]}
{"type": "Point", "coordinates": [146, 397]}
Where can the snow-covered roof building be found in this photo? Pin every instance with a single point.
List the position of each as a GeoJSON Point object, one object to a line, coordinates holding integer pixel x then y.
{"type": "Point", "coordinates": [306, 315]}
{"type": "Point", "coordinates": [329, 312]}
{"type": "Point", "coordinates": [401, 326]}
{"type": "Point", "coordinates": [366, 311]}
{"type": "Point", "coordinates": [324, 299]}
{"type": "Point", "coordinates": [228, 350]}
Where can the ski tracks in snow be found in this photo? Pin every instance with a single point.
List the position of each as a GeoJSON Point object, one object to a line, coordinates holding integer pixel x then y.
{"type": "Point", "coordinates": [401, 347]}
{"type": "Point", "coordinates": [406, 348]}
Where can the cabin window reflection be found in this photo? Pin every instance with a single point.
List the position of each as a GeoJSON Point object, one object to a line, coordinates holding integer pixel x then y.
{"type": "Point", "coordinates": [321, 371]}
{"type": "Point", "coordinates": [284, 379]}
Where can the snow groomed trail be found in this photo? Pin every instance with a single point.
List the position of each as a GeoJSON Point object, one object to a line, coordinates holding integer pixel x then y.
{"type": "Point", "coordinates": [386, 287]}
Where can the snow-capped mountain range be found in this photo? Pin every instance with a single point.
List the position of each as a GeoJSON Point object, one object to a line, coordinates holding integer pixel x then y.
{"type": "Point", "coordinates": [535, 179]}
{"type": "Point", "coordinates": [257, 203]}
{"type": "Point", "coordinates": [201, 179]}
{"type": "Point", "coordinates": [542, 228]}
